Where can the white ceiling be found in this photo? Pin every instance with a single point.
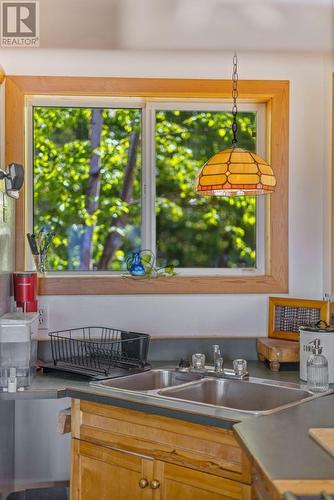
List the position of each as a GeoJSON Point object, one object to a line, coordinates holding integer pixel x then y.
{"type": "Point", "coordinates": [292, 25]}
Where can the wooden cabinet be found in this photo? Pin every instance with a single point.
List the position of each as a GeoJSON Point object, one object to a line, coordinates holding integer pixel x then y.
{"type": "Point", "coordinates": [102, 473]}
{"type": "Point", "coordinates": [189, 484]}
{"type": "Point", "coordinates": [120, 454]}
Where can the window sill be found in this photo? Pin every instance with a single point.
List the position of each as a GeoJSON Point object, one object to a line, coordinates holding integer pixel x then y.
{"type": "Point", "coordinates": [120, 285]}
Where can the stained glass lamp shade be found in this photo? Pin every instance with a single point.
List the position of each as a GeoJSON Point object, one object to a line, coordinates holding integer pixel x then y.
{"type": "Point", "coordinates": [235, 172]}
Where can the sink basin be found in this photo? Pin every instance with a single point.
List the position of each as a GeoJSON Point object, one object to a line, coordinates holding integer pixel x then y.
{"type": "Point", "coordinates": [253, 396]}
{"type": "Point", "coordinates": [246, 396]}
{"type": "Point", "coordinates": [150, 380]}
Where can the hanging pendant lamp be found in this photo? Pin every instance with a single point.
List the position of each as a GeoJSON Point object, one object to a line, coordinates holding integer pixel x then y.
{"type": "Point", "coordinates": [235, 171]}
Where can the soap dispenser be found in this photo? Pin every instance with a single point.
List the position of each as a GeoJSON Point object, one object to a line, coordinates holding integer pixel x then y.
{"type": "Point", "coordinates": [317, 369]}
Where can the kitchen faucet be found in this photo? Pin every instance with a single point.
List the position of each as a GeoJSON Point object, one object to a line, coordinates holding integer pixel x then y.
{"type": "Point", "coordinates": [218, 360]}
{"type": "Point", "coordinates": [239, 371]}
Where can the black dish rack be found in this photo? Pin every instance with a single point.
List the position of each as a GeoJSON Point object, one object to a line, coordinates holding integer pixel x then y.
{"type": "Point", "coordinates": [99, 352]}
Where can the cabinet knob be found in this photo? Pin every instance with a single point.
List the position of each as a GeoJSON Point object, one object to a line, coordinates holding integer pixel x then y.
{"type": "Point", "coordinates": [143, 483]}
{"type": "Point", "coordinates": [155, 484]}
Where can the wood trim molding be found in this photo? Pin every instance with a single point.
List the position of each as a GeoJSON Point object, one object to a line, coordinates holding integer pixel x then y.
{"type": "Point", "coordinates": [332, 193]}
{"type": "Point", "coordinates": [304, 486]}
{"type": "Point", "coordinates": [14, 152]}
{"type": "Point", "coordinates": [2, 74]}
{"type": "Point", "coordinates": [118, 285]}
{"type": "Point", "coordinates": [250, 90]}
{"type": "Point", "coordinates": [274, 93]}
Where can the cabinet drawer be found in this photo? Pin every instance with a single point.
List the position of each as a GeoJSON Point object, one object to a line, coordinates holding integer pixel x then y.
{"type": "Point", "coordinates": [209, 449]}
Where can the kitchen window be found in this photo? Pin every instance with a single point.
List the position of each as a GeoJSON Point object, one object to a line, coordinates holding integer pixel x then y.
{"type": "Point", "coordinates": [113, 176]}
{"type": "Point", "coordinates": [261, 264]}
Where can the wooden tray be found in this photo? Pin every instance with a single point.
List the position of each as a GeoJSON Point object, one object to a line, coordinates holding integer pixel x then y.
{"type": "Point", "coordinates": [277, 351]}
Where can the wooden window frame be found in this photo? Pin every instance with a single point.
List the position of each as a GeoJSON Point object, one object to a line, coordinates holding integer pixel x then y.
{"type": "Point", "coordinates": [332, 201]}
{"type": "Point", "coordinates": [275, 94]}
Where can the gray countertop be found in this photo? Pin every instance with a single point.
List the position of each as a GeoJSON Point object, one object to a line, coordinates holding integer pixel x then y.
{"type": "Point", "coordinates": [279, 443]}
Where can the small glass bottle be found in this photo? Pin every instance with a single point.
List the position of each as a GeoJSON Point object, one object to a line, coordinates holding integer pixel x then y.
{"type": "Point", "coordinates": [317, 369]}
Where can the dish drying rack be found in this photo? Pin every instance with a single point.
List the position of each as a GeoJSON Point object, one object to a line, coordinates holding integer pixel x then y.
{"type": "Point", "coordinates": [99, 352]}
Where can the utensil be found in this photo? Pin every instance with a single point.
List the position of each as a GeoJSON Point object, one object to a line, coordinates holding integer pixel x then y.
{"type": "Point", "coordinates": [34, 249]}
{"type": "Point", "coordinates": [39, 246]}
{"type": "Point", "coordinates": [32, 243]}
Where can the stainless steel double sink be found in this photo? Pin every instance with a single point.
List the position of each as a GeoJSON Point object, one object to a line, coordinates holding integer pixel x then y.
{"type": "Point", "coordinates": [254, 395]}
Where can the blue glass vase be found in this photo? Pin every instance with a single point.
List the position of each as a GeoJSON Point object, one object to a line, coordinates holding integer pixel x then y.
{"type": "Point", "coordinates": [135, 265]}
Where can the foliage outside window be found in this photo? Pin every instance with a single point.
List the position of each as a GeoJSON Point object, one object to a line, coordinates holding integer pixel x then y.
{"type": "Point", "coordinates": [87, 185]}
{"type": "Point", "coordinates": [192, 230]}
{"type": "Point", "coordinates": [87, 181]}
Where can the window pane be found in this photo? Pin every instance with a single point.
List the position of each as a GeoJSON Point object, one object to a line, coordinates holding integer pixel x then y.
{"type": "Point", "coordinates": [87, 185]}
{"type": "Point", "coordinates": [192, 230]}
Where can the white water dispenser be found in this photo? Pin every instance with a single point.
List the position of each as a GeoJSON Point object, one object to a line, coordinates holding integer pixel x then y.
{"type": "Point", "coordinates": [18, 350]}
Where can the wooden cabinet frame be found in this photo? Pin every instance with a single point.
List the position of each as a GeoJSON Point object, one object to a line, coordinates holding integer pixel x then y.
{"type": "Point", "coordinates": [184, 459]}
{"type": "Point", "coordinates": [275, 94]}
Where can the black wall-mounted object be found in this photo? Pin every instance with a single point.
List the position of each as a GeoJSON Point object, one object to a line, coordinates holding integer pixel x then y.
{"type": "Point", "coordinates": [14, 178]}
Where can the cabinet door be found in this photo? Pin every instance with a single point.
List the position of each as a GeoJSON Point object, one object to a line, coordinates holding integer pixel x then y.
{"type": "Point", "coordinates": [177, 482]}
{"type": "Point", "coordinates": [105, 474]}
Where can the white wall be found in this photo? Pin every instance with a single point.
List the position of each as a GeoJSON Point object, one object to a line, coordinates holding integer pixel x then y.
{"type": "Point", "coordinates": [309, 187]}
{"type": "Point", "coordinates": [41, 453]}
{"type": "Point", "coordinates": [187, 24]}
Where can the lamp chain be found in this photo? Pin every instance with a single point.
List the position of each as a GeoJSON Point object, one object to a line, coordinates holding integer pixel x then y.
{"type": "Point", "coordinates": [234, 97]}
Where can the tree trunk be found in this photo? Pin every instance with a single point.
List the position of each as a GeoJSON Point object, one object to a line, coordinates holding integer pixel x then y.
{"type": "Point", "coordinates": [93, 190]}
{"type": "Point", "coordinates": [113, 240]}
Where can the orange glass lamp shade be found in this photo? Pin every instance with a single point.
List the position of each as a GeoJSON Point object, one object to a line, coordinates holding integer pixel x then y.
{"type": "Point", "coordinates": [235, 172]}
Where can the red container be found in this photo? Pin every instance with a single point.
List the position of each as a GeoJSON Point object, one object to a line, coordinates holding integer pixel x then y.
{"type": "Point", "coordinates": [25, 291]}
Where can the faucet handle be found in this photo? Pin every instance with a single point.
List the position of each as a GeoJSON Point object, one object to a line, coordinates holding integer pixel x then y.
{"type": "Point", "coordinates": [240, 366]}
{"type": "Point", "coordinates": [198, 361]}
